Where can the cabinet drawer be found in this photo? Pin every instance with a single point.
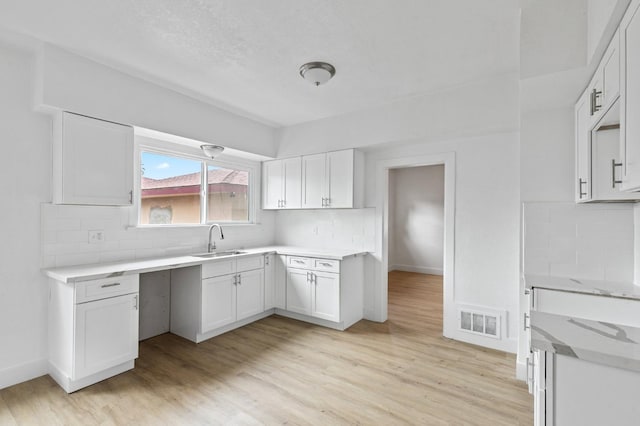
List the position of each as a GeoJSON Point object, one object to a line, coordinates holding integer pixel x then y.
{"type": "Point", "coordinates": [218, 267]}
{"type": "Point", "coordinates": [87, 291]}
{"type": "Point", "coordinates": [326, 265]}
{"type": "Point", "coordinates": [299, 262]}
{"type": "Point", "coordinates": [586, 306]}
{"type": "Point", "coordinates": [249, 263]}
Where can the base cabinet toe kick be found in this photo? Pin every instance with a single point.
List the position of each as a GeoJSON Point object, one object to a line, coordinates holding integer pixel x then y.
{"type": "Point", "coordinates": [94, 324]}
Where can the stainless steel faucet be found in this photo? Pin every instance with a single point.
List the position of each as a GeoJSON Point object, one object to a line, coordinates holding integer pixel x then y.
{"type": "Point", "coordinates": [211, 247]}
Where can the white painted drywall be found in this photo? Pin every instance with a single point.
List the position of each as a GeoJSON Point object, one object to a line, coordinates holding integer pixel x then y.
{"type": "Point", "coordinates": [416, 219]}
{"type": "Point", "coordinates": [72, 83]}
{"type": "Point", "coordinates": [479, 108]}
{"type": "Point", "coordinates": [598, 16]}
{"type": "Point", "coordinates": [25, 178]}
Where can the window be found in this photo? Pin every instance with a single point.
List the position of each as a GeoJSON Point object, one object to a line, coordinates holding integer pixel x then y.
{"type": "Point", "coordinates": [172, 191]}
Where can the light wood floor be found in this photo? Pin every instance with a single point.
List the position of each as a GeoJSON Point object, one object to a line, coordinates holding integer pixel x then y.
{"type": "Point", "coordinates": [280, 371]}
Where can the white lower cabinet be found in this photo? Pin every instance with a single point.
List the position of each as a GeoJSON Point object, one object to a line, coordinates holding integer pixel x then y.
{"type": "Point", "coordinates": [299, 291]}
{"type": "Point", "coordinates": [93, 330]}
{"type": "Point", "coordinates": [325, 296]}
{"type": "Point", "coordinates": [324, 291]}
{"type": "Point", "coordinates": [228, 293]}
{"type": "Point", "coordinates": [218, 302]}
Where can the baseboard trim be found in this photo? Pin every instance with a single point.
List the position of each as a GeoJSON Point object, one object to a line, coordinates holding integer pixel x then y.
{"type": "Point", "coordinates": [417, 269]}
{"type": "Point", "coordinates": [23, 372]}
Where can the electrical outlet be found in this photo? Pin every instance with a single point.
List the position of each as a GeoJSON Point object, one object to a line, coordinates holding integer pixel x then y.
{"type": "Point", "coordinates": [96, 237]}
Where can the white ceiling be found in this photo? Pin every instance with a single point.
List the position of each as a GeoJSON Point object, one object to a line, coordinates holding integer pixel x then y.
{"type": "Point", "coordinates": [244, 55]}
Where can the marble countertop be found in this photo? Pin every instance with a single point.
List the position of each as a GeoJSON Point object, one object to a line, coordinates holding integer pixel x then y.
{"type": "Point", "coordinates": [625, 290]}
{"type": "Point", "coordinates": [69, 274]}
{"type": "Point", "coordinates": [594, 341]}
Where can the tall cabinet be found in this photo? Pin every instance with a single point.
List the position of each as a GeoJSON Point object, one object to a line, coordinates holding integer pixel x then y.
{"type": "Point", "coordinates": [630, 97]}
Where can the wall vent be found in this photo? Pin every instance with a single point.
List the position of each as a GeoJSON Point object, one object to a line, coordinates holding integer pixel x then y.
{"type": "Point", "coordinates": [480, 321]}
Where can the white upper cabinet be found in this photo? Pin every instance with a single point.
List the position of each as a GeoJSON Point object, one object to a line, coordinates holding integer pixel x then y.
{"type": "Point", "coordinates": [583, 151]}
{"type": "Point", "coordinates": [332, 180]}
{"type": "Point", "coordinates": [328, 180]}
{"type": "Point", "coordinates": [630, 97]}
{"type": "Point", "coordinates": [93, 161]}
{"type": "Point", "coordinates": [313, 181]}
{"type": "Point", "coordinates": [282, 183]}
{"type": "Point", "coordinates": [604, 88]}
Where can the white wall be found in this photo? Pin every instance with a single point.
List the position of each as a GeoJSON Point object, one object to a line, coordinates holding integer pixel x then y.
{"type": "Point", "coordinates": [70, 82]}
{"type": "Point", "coordinates": [348, 229]}
{"type": "Point", "coordinates": [598, 14]}
{"type": "Point", "coordinates": [37, 234]}
{"type": "Point", "coordinates": [479, 108]}
{"type": "Point", "coordinates": [24, 183]}
{"type": "Point", "coordinates": [486, 228]}
{"type": "Point", "coordinates": [416, 219]}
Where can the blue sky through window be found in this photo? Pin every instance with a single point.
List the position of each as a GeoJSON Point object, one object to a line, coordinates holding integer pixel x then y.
{"type": "Point", "coordinates": [158, 166]}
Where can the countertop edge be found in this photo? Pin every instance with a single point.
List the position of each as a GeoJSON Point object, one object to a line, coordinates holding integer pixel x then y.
{"type": "Point", "coordinates": [75, 273]}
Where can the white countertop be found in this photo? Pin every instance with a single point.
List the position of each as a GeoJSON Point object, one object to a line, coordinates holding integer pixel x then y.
{"type": "Point", "coordinates": [624, 290]}
{"type": "Point", "coordinates": [594, 341]}
{"type": "Point", "coordinates": [69, 274]}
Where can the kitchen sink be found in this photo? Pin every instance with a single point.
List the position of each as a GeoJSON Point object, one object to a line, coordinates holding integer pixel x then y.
{"type": "Point", "coordinates": [219, 253]}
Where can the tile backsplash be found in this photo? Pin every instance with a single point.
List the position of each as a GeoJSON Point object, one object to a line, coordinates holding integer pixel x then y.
{"type": "Point", "coordinates": [326, 229]}
{"type": "Point", "coordinates": [65, 236]}
{"type": "Point", "coordinates": [590, 241]}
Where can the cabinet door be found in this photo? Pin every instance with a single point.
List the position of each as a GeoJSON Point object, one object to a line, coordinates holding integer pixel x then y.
{"type": "Point", "coordinates": [106, 334]}
{"type": "Point", "coordinates": [630, 97]}
{"type": "Point", "coordinates": [269, 285]}
{"type": "Point", "coordinates": [96, 162]}
{"type": "Point", "coordinates": [325, 296]}
{"type": "Point", "coordinates": [292, 183]}
{"type": "Point", "coordinates": [605, 173]}
{"type": "Point", "coordinates": [583, 151]}
{"type": "Point", "coordinates": [313, 180]}
{"type": "Point", "coordinates": [218, 302]}
{"type": "Point", "coordinates": [272, 184]}
{"type": "Point", "coordinates": [298, 291]}
{"type": "Point", "coordinates": [611, 72]}
{"type": "Point", "coordinates": [280, 284]}
{"type": "Point", "coordinates": [250, 294]}
{"type": "Point", "coordinates": [340, 179]}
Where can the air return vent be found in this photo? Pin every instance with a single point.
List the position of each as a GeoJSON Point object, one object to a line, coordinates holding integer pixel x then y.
{"type": "Point", "coordinates": [480, 321]}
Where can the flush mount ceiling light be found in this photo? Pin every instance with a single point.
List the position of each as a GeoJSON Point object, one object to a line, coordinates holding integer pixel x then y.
{"type": "Point", "coordinates": [317, 72]}
{"type": "Point", "coordinates": [212, 151]}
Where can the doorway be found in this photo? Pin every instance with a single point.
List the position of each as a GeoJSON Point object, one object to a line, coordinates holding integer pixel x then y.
{"type": "Point", "coordinates": [416, 240]}
{"type": "Point", "coordinates": [383, 170]}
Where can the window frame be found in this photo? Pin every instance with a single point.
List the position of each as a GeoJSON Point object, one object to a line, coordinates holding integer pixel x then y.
{"type": "Point", "coordinates": [144, 144]}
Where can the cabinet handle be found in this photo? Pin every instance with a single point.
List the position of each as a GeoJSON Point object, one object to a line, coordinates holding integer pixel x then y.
{"type": "Point", "coordinates": [239, 279]}
{"type": "Point", "coordinates": [235, 280]}
{"type": "Point", "coordinates": [266, 260]}
{"type": "Point", "coordinates": [594, 101]}
{"type": "Point", "coordinates": [308, 279]}
{"type": "Point", "coordinates": [325, 264]}
{"type": "Point", "coordinates": [314, 279]}
{"type": "Point", "coordinates": [323, 202]}
{"type": "Point", "coordinates": [298, 261]}
{"type": "Point", "coordinates": [109, 285]}
{"type": "Point", "coordinates": [613, 172]}
{"type": "Point", "coordinates": [135, 298]}
{"type": "Point", "coordinates": [131, 197]}
{"type": "Point", "coordinates": [327, 202]}
{"type": "Point", "coordinates": [526, 319]}
{"type": "Point", "coordinates": [580, 183]}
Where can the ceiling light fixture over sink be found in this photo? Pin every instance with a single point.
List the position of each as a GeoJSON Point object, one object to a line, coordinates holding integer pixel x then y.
{"type": "Point", "coordinates": [212, 151]}
{"type": "Point", "coordinates": [317, 72]}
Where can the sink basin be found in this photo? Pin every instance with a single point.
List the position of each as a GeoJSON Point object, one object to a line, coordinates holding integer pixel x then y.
{"type": "Point", "coordinates": [219, 253]}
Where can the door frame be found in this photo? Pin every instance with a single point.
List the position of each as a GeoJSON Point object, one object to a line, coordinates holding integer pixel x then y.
{"type": "Point", "coordinates": [382, 218]}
